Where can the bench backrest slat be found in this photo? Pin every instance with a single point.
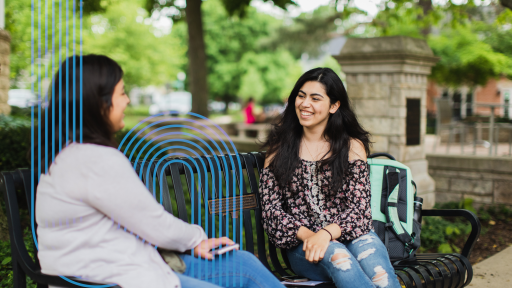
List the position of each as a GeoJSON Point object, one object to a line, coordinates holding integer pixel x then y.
{"type": "Point", "coordinates": [164, 189]}
{"type": "Point", "coordinates": [251, 162]}
{"type": "Point", "coordinates": [249, 243]}
{"type": "Point", "coordinates": [206, 192]}
{"type": "Point", "coordinates": [180, 198]}
{"type": "Point", "coordinates": [260, 161]}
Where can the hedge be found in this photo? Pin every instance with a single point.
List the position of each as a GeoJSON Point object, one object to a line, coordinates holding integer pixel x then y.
{"type": "Point", "coordinates": [14, 142]}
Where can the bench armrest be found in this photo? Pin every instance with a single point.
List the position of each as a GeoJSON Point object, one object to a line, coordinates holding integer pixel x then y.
{"type": "Point", "coordinates": [470, 216]}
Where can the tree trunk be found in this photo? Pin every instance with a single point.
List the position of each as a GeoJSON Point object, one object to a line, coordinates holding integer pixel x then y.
{"type": "Point", "coordinates": [506, 3]}
{"type": "Point", "coordinates": [426, 6]}
{"type": "Point", "coordinates": [197, 58]}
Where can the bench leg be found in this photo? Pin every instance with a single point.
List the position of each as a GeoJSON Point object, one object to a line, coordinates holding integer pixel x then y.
{"type": "Point", "coordinates": [19, 277]}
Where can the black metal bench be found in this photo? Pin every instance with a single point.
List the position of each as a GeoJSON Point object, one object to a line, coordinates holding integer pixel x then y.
{"type": "Point", "coordinates": [175, 183]}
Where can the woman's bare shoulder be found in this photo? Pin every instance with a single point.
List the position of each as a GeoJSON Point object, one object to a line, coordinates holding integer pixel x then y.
{"type": "Point", "coordinates": [357, 150]}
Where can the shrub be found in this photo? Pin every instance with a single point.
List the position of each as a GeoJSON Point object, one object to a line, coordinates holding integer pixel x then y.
{"type": "Point", "coordinates": [6, 275]}
{"type": "Point", "coordinates": [14, 142]}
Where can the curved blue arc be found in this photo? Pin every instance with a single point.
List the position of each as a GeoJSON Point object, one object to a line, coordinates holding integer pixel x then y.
{"type": "Point", "coordinates": [179, 133]}
{"type": "Point", "coordinates": [175, 140]}
{"type": "Point", "coordinates": [176, 132]}
{"type": "Point", "coordinates": [182, 154]}
{"type": "Point", "coordinates": [165, 120]}
{"type": "Point", "coordinates": [135, 127]}
{"type": "Point", "coordinates": [163, 171]}
{"type": "Point", "coordinates": [193, 128]}
{"type": "Point", "coordinates": [167, 148]}
{"type": "Point", "coordinates": [185, 148]}
{"type": "Point", "coordinates": [191, 120]}
{"type": "Point", "coordinates": [86, 285]}
{"type": "Point", "coordinates": [186, 164]}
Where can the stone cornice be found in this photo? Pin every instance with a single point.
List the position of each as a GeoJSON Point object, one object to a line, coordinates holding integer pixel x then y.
{"type": "Point", "coordinates": [396, 54]}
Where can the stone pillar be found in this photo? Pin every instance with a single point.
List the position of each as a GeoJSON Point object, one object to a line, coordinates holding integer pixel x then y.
{"type": "Point", "coordinates": [5, 51]}
{"type": "Point", "coordinates": [382, 75]}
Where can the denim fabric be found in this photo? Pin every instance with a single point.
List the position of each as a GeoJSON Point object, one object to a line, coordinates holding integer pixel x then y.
{"type": "Point", "coordinates": [362, 262]}
{"type": "Point", "coordinates": [233, 269]}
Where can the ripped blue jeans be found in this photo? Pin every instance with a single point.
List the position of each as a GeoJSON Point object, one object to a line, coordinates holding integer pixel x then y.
{"type": "Point", "coordinates": [362, 262]}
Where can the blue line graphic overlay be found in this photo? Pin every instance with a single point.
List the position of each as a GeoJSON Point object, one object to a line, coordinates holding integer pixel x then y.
{"type": "Point", "coordinates": [210, 163]}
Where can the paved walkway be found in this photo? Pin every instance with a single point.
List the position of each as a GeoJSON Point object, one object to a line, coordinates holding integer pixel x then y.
{"type": "Point", "coordinates": [495, 271]}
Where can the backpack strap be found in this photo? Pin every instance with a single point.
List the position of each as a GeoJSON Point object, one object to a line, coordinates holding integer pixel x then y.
{"type": "Point", "coordinates": [393, 225]}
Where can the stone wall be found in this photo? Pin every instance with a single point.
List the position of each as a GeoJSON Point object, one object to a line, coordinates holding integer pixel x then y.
{"type": "Point", "coordinates": [487, 180]}
{"type": "Point", "coordinates": [5, 51]}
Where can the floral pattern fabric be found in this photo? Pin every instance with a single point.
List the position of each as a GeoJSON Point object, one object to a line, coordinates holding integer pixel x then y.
{"type": "Point", "coordinates": [314, 205]}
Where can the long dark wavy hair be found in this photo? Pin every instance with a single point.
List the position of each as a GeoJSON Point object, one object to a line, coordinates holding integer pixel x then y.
{"type": "Point", "coordinates": [92, 76]}
{"type": "Point", "coordinates": [285, 136]}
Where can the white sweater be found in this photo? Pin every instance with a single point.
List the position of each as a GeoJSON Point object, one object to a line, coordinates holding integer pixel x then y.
{"type": "Point", "coordinates": [98, 221]}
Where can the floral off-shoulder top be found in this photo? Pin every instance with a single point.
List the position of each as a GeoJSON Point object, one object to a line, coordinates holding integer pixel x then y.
{"type": "Point", "coordinates": [314, 205]}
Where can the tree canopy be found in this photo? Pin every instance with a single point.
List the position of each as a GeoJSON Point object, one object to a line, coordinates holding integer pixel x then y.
{"type": "Point", "coordinates": [465, 59]}
{"type": "Point", "coordinates": [121, 31]}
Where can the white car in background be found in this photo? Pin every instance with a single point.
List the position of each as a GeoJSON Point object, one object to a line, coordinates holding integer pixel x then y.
{"type": "Point", "coordinates": [180, 102]}
{"type": "Point", "coordinates": [22, 98]}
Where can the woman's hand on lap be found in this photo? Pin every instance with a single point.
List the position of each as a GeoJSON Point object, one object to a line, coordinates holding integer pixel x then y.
{"type": "Point", "coordinates": [204, 247]}
{"type": "Point", "coordinates": [316, 245]}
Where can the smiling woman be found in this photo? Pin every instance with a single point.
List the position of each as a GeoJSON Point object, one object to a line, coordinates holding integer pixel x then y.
{"type": "Point", "coordinates": [315, 188]}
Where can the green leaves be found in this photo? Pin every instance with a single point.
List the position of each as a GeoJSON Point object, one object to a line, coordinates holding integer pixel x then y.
{"type": "Point", "coordinates": [14, 142]}
{"type": "Point", "coordinates": [239, 7]}
{"type": "Point", "coordinates": [465, 59]}
{"type": "Point", "coordinates": [147, 54]}
{"type": "Point", "coordinates": [238, 65]}
{"type": "Point", "coordinates": [6, 260]}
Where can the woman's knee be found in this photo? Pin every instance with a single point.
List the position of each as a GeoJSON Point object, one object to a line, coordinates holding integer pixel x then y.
{"type": "Point", "coordinates": [340, 258]}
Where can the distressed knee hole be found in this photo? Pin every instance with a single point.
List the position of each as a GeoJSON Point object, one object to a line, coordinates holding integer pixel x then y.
{"type": "Point", "coordinates": [367, 238]}
{"type": "Point", "coordinates": [341, 259]}
{"type": "Point", "coordinates": [362, 238]}
{"type": "Point", "coordinates": [365, 254]}
{"type": "Point", "coordinates": [381, 277]}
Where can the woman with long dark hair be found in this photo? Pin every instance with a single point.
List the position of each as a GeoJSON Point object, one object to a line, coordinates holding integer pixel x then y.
{"type": "Point", "coordinates": [315, 188]}
{"type": "Point", "coordinates": [96, 219]}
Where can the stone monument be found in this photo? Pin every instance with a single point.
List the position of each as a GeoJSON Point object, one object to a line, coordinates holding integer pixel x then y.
{"type": "Point", "coordinates": [5, 50]}
{"type": "Point", "coordinates": [386, 80]}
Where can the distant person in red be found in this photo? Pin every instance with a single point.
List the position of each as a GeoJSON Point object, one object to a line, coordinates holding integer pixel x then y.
{"type": "Point", "coordinates": [248, 110]}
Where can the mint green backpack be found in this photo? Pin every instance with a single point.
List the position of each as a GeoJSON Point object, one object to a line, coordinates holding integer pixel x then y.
{"type": "Point", "coordinates": [393, 196]}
